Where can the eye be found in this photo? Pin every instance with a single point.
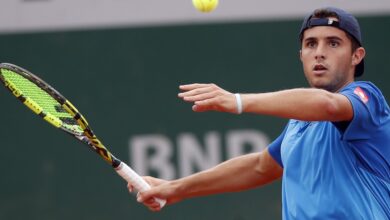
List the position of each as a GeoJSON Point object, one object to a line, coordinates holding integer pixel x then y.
{"type": "Point", "coordinates": [334, 43]}
{"type": "Point", "coordinates": [311, 44]}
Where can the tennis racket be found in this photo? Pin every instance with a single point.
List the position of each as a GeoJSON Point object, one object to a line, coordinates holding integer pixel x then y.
{"type": "Point", "coordinates": [54, 108]}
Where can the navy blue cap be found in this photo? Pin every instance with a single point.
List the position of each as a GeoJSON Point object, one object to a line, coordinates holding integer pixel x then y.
{"type": "Point", "coordinates": [346, 22]}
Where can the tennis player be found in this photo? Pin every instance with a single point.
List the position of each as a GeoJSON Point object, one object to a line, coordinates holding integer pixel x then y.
{"type": "Point", "coordinates": [334, 153]}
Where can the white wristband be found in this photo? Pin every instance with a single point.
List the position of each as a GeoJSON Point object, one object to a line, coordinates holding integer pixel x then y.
{"type": "Point", "coordinates": [239, 103]}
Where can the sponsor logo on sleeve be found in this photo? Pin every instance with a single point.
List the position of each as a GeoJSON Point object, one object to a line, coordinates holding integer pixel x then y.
{"type": "Point", "coordinates": [362, 95]}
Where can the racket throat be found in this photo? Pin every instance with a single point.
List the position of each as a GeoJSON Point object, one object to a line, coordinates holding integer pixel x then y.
{"type": "Point", "coordinates": [102, 151]}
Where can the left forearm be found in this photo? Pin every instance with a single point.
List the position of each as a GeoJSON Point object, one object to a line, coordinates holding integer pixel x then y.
{"type": "Point", "coordinates": [302, 104]}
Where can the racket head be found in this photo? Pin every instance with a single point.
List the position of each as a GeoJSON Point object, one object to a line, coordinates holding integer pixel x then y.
{"type": "Point", "coordinates": [40, 97]}
{"type": "Point", "coordinates": [50, 105]}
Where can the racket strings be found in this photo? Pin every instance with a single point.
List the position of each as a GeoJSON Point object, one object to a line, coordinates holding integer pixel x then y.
{"type": "Point", "coordinates": [42, 100]}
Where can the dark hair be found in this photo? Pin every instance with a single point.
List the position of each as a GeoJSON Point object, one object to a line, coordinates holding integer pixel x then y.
{"type": "Point", "coordinates": [325, 13]}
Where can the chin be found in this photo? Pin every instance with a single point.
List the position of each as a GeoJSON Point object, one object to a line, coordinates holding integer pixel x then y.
{"type": "Point", "coordinates": [319, 84]}
{"type": "Point", "coordinates": [327, 87]}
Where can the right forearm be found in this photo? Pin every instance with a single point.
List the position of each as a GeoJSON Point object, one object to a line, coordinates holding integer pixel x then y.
{"type": "Point", "coordinates": [237, 174]}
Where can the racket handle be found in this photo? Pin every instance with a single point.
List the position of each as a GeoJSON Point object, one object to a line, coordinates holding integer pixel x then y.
{"type": "Point", "coordinates": [136, 180]}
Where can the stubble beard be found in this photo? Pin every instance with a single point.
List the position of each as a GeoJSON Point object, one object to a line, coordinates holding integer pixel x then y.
{"type": "Point", "coordinates": [330, 85]}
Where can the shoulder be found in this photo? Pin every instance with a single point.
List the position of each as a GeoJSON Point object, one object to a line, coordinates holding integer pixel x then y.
{"type": "Point", "coordinates": [366, 85]}
{"type": "Point", "coordinates": [363, 90]}
{"type": "Point", "coordinates": [368, 102]}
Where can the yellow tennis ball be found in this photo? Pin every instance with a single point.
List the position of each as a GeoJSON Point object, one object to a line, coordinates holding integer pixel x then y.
{"type": "Point", "coordinates": [205, 5]}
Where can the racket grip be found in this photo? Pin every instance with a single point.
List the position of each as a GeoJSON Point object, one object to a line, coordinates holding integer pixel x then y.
{"type": "Point", "coordinates": [136, 180]}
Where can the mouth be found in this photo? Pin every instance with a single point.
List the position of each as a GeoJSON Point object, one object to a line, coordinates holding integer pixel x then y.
{"type": "Point", "coordinates": [319, 68]}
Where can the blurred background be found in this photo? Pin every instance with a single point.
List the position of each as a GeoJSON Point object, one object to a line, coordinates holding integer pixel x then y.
{"type": "Point", "coordinates": [121, 62]}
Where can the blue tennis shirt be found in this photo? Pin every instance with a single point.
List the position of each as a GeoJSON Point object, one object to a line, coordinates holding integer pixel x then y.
{"type": "Point", "coordinates": [338, 170]}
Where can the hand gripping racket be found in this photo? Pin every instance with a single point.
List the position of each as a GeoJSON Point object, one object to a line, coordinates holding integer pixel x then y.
{"type": "Point", "coordinates": [46, 102]}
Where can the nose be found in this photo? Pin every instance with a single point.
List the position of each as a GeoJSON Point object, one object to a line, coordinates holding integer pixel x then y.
{"type": "Point", "coordinates": [320, 52]}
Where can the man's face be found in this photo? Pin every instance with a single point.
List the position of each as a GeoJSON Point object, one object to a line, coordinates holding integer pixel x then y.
{"type": "Point", "coordinates": [327, 58]}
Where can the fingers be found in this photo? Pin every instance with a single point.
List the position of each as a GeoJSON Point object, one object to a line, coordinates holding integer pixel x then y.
{"type": "Point", "coordinates": [130, 187]}
{"type": "Point", "coordinates": [199, 95]}
{"type": "Point", "coordinates": [194, 86]}
{"type": "Point", "coordinates": [208, 97]}
{"type": "Point", "coordinates": [196, 92]}
{"type": "Point", "coordinates": [147, 198]}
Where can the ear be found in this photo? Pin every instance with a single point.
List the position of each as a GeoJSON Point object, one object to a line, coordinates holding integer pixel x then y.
{"type": "Point", "coordinates": [300, 55]}
{"type": "Point", "coordinates": [358, 56]}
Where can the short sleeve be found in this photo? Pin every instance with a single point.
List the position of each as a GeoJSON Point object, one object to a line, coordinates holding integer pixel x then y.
{"type": "Point", "coordinates": [274, 148]}
{"type": "Point", "coordinates": [367, 103]}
